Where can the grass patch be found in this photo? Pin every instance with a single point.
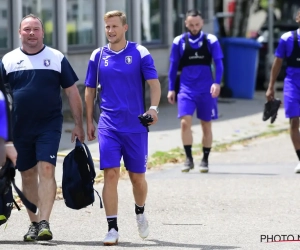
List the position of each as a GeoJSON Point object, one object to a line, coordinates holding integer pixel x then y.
{"type": "Point", "coordinates": [177, 155]}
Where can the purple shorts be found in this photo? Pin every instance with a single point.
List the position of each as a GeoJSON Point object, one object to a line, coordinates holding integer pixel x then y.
{"type": "Point", "coordinates": [206, 106]}
{"type": "Point", "coordinates": [133, 147]}
{"type": "Point", "coordinates": [291, 105]}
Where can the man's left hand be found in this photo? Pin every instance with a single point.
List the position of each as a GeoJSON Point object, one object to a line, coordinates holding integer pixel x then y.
{"type": "Point", "coordinates": [215, 90]}
{"type": "Point", "coordinates": [79, 133]}
{"type": "Point", "coordinates": [153, 114]}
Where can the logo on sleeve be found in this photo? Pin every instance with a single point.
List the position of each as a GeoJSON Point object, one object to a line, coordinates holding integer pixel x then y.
{"type": "Point", "coordinates": [128, 59]}
{"type": "Point", "coordinates": [47, 62]}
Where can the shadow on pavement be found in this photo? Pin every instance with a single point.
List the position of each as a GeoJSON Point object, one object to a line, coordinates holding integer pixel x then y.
{"type": "Point", "coordinates": [157, 243]}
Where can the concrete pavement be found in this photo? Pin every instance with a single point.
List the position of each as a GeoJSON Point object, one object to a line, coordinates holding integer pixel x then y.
{"type": "Point", "coordinates": [250, 192]}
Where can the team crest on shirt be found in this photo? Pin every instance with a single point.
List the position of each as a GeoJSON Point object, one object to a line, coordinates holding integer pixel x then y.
{"type": "Point", "coordinates": [128, 59]}
{"type": "Point", "coordinates": [47, 62]}
{"type": "Point", "coordinates": [200, 44]}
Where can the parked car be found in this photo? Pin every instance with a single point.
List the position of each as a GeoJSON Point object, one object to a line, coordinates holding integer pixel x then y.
{"type": "Point", "coordinates": [263, 71]}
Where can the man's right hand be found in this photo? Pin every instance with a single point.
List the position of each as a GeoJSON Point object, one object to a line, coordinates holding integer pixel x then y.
{"type": "Point", "coordinates": [171, 97]}
{"type": "Point", "coordinates": [270, 93]}
{"type": "Point", "coordinates": [91, 131]}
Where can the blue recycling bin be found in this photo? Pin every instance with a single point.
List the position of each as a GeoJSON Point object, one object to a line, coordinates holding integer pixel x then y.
{"type": "Point", "coordinates": [241, 57]}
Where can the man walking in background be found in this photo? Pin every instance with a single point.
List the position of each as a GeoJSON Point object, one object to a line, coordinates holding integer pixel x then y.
{"type": "Point", "coordinates": [192, 52]}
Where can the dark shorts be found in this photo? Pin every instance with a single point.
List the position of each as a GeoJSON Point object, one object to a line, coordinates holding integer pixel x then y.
{"type": "Point", "coordinates": [204, 104]}
{"type": "Point", "coordinates": [38, 147]}
{"type": "Point", "coordinates": [133, 147]}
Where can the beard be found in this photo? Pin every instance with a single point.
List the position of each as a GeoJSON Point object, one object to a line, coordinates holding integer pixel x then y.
{"type": "Point", "coordinates": [195, 33]}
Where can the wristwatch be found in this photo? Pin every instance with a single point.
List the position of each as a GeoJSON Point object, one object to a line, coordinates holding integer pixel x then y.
{"type": "Point", "coordinates": [155, 108]}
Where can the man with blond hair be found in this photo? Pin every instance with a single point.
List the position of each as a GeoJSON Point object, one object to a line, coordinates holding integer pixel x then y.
{"type": "Point", "coordinates": [36, 73]}
{"type": "Point", "coordinates": [122, 68]}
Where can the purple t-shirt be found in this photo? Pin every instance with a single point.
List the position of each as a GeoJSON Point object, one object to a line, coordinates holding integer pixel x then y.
{"type": "Point", "coordinates": [122, 78]}
{"type": "Point", "coordinates": [3, 118]}
{"type": "Point", "coordinates": [284, 50]}
{"type": "Point", "coordinates": [194, 78]}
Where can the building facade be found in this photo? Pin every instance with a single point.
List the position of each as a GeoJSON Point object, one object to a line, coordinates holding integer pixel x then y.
{"type": "Point", "coordinates": [76, 27]}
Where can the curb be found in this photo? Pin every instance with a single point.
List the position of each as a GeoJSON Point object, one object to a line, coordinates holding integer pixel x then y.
{"type": "Point", "coordinates": [255, 136]}
{"type": "Point", "coordinates": [251, 137]}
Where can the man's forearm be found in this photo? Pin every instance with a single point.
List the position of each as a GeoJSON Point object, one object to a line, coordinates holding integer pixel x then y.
{"type": "Point", "coordinates": [90, 94]}
{"type": "Point", "coordinates": [275, 71]}
{"type": "Point", "coordinates": [155, 92]}
{"type": "Point", "coordinates": [76, 107]}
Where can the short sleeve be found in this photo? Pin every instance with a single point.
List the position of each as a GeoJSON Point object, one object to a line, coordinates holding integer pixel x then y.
{"type": "Point", "coordinates": [281, 50]}
{"type": "Point", "coordinates": [68, 76]}
{"type": "Point", "coordinates": [91, 74]}
{"type": "Point", "coordinates": [147, 64]}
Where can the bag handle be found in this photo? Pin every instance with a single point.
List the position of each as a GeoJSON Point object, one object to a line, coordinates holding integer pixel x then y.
{"type": "Point", "coordinates": [100, 57]}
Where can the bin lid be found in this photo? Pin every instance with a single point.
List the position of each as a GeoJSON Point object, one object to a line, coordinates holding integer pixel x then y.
{"type": "Point", "coordinates": [247, 42]}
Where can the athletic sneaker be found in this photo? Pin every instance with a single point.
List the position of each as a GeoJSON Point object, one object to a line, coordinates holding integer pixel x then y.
{"type": "Point", "coordinates": [188, 165]}
{"type": "Point", "coordinates": [2, 219]}
{"type": "Point", "coordinates": [203, 166]}
{"type": "Point", "coordinates": [32, 233]}
{"type": "Point", "coordinates": [271, 109]}
{"type": "Point", "coordinates": [143, 225]}
{"type": "Point", "coordinates": [44, 231]}
{"type": "Point", "coordinates": [297, 169]}
{"type": "Point", "coordinates": [111, 238]}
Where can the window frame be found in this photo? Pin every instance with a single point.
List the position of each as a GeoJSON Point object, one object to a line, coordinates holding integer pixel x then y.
{"type": "Point", "coordinates": [83, 48]}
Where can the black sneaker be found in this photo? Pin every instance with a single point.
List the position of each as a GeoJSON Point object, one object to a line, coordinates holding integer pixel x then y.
{"type": "Point", "coordinates": [188, 165]}
{"type": "Point", "coordinates": [2, 219]}
{"type": "Point", "coordinates": [44, 231]}
{"type": "Point", "coordinates": [204, 166]}
{"type": "Point", "coordinates": [32, 232]}
{"type": "Point", "coordinates": [271, 109]}
{"type": "Point", "coordinates": [276, 106]}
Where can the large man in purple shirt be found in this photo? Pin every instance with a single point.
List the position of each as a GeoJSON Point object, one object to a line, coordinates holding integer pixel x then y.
{"type": "Point", "coordinates": [289, 49]}
{"type": "Point", "coordinates": [192, 53]}
{"type": "Point", "coordinates": [122, 67]}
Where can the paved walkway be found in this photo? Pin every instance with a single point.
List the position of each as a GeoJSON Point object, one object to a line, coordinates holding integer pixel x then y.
{"type": "Point", "coordinates": [251, 192]}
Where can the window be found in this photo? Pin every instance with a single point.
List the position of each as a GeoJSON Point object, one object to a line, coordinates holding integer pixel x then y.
{"type": "Point", "coordinates": [202, 6]}
{"type": "Point", "coordinates": [81, 22]}
{"type": "Point", "coordinates": [179, 11]}
{"type": "Point", "coordinates": [5, 31]}
{"type": "Point", "coordinates": [152, 21]}
{"type": "Point", "coordinates": [45, 10]}
{"type": "Point", "coordinates": [122, 5]}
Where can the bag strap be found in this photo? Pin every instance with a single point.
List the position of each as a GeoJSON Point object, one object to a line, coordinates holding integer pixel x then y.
{"type": "Point", "coordinates": [100, 57]}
